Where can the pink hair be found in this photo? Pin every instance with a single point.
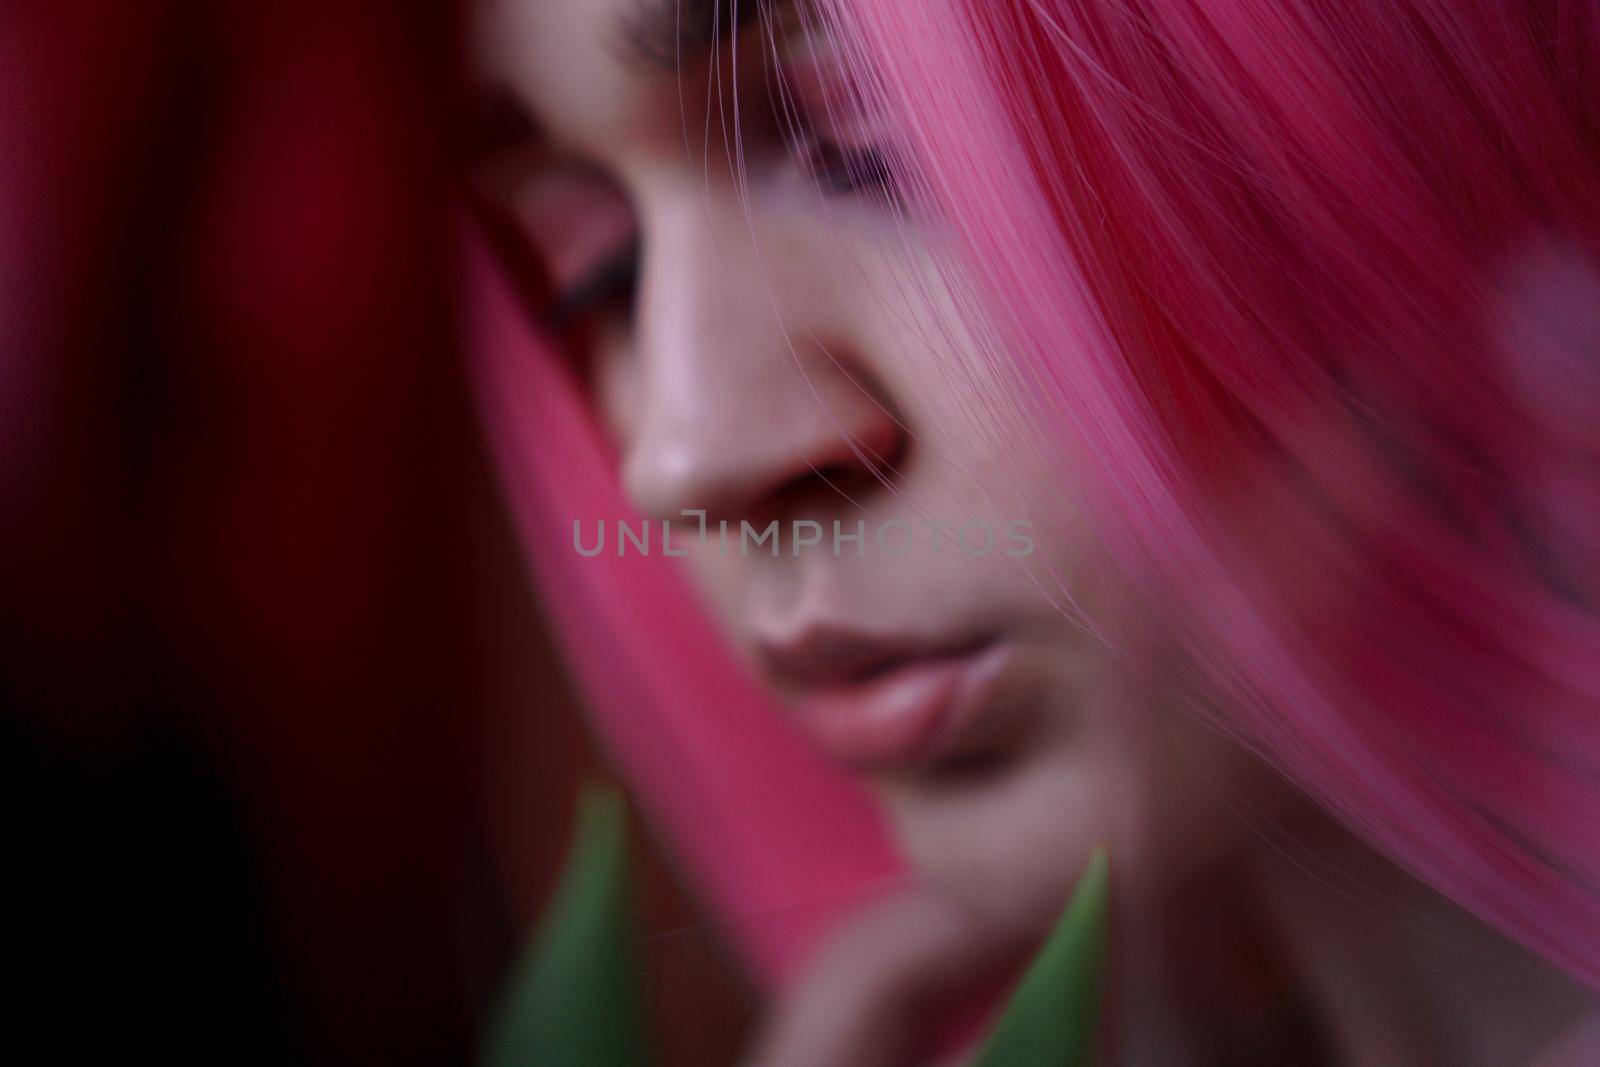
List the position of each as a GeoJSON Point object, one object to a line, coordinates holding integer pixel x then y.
{"type": "Point", "coordinates": [1311, 294]}
{"type": "Point", "coordinates": [1293, 284]}
{"type": "Point", "coordinates": [778, 843]}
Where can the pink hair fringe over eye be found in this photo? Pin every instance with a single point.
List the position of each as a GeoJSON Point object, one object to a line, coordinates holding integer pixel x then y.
{"type": "Point", "coordinates": [1310, 293]}
{"type": "Point", "coordinates": [1313, 291]}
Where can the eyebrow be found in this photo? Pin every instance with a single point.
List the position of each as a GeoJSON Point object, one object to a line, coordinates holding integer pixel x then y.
{"type": "Point", "coordinates": [665, 33]}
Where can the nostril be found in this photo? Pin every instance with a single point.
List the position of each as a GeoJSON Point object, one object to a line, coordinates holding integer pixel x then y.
{"type": "Point", "coordinates": [662, 483]}
{"type": "Point", "coordinates": [771, 451]}
{"type": "Point", "coordinates": [851, 473]}
{"type": "Point", "coordinates": [854, 477]}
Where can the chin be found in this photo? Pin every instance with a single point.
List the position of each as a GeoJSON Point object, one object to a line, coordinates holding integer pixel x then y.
{"type": "Point", "coordinates": [1008, 842]}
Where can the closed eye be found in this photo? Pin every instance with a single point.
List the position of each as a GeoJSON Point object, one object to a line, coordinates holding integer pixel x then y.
{"type": "Point", "coordinates": [838, 138]}
{"type": "Point", "coordinates": [609, 285]}
{"type": "Point", "coordinates": [842, 169]}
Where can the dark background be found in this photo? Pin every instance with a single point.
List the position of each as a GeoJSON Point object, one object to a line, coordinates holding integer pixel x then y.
{"type": "Point", "coordinates": [288, 764]}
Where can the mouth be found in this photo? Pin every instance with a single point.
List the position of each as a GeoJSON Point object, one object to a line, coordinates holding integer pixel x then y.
{"type": "Point", "coordinates": [878, 703]}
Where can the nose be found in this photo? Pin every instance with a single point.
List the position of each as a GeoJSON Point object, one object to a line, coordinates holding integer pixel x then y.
{"type": "Point", "coordinates": [754, 390]}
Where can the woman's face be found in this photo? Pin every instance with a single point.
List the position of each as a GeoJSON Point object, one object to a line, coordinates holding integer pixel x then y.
{"type": "Point", "coordinates": [768, 340]}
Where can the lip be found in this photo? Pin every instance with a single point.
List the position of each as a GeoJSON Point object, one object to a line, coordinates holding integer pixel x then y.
{"type": "Point", "coordinates": [882, 704]}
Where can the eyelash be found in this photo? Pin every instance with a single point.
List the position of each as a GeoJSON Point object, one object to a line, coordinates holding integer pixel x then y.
{"type": "Point", "coordinates": [838, 169]}
{"type": "Point", "coordinates": [842, 169]}
{"type": "Point", "coordinates": [610, 282]}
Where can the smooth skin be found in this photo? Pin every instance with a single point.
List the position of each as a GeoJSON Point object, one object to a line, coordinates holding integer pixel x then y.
{"type": "Point", "coordinates": [775, 352]}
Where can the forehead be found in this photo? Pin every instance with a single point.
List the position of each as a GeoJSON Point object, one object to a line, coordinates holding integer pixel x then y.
{"type": "Point", "coordinates": [601, 72]}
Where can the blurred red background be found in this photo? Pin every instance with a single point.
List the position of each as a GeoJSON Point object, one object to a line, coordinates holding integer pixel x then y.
{"type": "Point", "coordinates": [288, 764]}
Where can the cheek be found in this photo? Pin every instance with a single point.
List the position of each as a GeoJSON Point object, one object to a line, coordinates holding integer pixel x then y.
{"type": "Point", "coordinates": [953, 387]}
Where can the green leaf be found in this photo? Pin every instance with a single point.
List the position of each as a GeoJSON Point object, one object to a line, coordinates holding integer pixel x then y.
{"type": "Point", "coordinates": [575, 999]}
{"type": "Point", "coordinates": [1050, 1020]}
